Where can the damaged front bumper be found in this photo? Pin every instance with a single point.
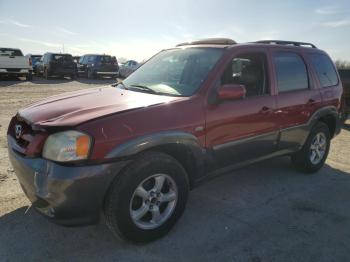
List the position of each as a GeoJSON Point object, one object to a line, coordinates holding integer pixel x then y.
{"type": "Point", "coordinates": [68, 195]}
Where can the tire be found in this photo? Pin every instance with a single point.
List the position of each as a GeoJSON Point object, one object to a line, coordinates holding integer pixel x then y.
{"type": "Point", "coordinates": [122, 199]}
{"type": "Point", "coordinates": [90, 74]}
{"type": "Point", "coordinates": [73, 77]}
{"type": "Point", "coordinates": [46, 74]}
{"type": "Point", "coordinates": [303, 159]}
{"type": "Point", "coordinates": [344, 117]}
{"type": "Point", "coordinates": [29, 77]}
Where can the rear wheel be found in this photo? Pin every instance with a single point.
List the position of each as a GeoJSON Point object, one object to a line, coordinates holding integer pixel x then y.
{"type": "Point", "coordinates": [315, 150]}
{"type": "Point", "coordinates": [147, 198]}
{"type": "Point", "coordinates": [29, 77]}
{"type": "Point", "coordinates": [344, 117]}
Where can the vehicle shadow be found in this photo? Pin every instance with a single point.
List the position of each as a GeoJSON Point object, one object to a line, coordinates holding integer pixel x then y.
{"type": "Point", "coordinates": [265, 212]}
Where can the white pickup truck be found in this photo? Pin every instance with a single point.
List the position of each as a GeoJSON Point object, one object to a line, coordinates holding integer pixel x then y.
{"type": "Point", "coordinates": [13, 63]}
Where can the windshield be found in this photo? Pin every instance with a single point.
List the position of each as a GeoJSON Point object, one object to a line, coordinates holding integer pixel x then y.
{"type": "Point", "coordinates": [10, 52]}
{"type": "Point", "coordinates": [178, 72]}
{"type": "Point", "coordinates": [36, 59]}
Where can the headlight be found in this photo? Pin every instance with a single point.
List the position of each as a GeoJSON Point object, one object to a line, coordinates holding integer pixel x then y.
{"type": "Point", "coordinates": [67, 146]}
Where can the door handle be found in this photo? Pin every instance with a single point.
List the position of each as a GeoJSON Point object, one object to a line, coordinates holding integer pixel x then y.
{"type": "Point", "coordinates": [311, 101]}
{"type": "Point", "coordinates": [266, 110]}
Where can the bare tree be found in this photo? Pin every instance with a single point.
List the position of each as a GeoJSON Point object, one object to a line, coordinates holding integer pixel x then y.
{"type": "Point", "coordinates": [342, 64]}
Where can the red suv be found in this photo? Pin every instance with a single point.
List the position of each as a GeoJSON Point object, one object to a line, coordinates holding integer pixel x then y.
{"type": "Point", "coordinates": [133, 150]}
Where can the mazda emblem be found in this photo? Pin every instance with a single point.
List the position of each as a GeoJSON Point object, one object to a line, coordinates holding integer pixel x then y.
{"type": "Point", "coordinates": [18, 131]}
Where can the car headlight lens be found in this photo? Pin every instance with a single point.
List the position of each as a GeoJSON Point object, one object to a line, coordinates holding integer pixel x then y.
{"type": "Point", "coordinates": [67, 146]}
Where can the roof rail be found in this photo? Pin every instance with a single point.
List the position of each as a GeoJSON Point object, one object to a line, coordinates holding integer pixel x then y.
{"type": "Point", "coordinates": [282, 42]}
{"type": "Point", "coordinates": [210, 41]}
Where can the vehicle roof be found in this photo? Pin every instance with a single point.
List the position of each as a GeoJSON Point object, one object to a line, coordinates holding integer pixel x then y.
{"type": "Point", "coordinates": [252, 44]}
{"type": "Point", "coordinates": [96, 55]}
{"type": "Point", "coordinates": [10, 48]}
{"type": "Point", "coordinates": [231, 44]}
{"type": "Point", "coordinates": [51, 53]}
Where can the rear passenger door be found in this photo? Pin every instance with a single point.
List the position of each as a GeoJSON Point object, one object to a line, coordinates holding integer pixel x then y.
{"type": "Point", "coordinates": [298, 97]}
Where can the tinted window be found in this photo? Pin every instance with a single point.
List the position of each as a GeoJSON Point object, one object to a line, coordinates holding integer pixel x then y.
{"type": "Point", "coordinates": [106, 59]}
{"type": "Point", "coordinates": [62, 58]}
{"type": "Point", "coordinates": [324, 69]}
{"type": "Point", "coordinates": [91, 59]}
{"type": "Point", "coordinates": [10, 52]}
{"type": "Point", "coordinates": [291, 72]}
{"type": "Point", "coordinates": [248, 70]}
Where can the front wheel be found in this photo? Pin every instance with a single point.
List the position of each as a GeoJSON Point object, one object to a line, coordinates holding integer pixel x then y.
{"type": "Point", "coordinates": [147, 198]}
{"type": "Point", "coordinates": [315, 150]}
{"type": "Point", "coordinates": [90, 74]}
{"type": "Point", "coordinates": [46, 74]}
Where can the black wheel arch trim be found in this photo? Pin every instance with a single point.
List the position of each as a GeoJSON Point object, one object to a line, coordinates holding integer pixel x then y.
{"type": "Point", "coordinates": [325, 111]}
{"type": "Point", "coordinates": [164, 138]}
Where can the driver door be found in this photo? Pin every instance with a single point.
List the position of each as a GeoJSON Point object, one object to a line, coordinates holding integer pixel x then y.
{"type": "Point", "coordinates": [245, 129]}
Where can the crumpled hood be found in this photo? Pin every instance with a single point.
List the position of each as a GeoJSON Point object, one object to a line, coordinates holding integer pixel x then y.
{"type": "Point", "coordinates": [74, 108]}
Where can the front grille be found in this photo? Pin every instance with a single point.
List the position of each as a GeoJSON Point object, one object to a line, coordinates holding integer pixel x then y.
{"type": "Point", "coordinates": [23, 137]}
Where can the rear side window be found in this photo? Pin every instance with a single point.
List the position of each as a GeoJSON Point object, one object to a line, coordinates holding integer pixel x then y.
{"type": "Point", "coordinates": [291, 72]}
{"type": "Point", "coordinates": [324, 69]}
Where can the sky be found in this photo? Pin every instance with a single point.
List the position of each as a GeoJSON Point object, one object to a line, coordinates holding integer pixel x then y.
{"type": "Point", "coordinates": [139, 29]}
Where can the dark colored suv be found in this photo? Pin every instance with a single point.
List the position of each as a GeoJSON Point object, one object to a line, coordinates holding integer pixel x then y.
{"type": "Point", "coordinates": [94, 66]}
{"type": "Point", "coordinates": [133, 150]}
{"type": "Point", "coordinates": [345, 78]}
{"type": "Point", "coordinates": [57, 64]}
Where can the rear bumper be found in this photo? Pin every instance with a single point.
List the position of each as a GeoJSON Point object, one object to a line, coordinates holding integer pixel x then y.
{"type": "Point", "coordinates": [62, 71]}
{"type": "Point", "coordinates": [67, 195]}
{"type": "Point", "coordinates": [106, 73]}
{"type": "Point", "coordinates": [19, 72]}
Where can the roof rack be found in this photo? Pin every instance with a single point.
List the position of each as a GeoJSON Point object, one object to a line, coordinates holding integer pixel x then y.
{"type": "Point", "coordinates": [282, 42]}
{"type": "Point", "coordinates": [210, 41]}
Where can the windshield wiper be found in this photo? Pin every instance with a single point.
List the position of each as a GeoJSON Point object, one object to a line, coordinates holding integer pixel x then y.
{"type": "Point", "coordinates": [120, 83]}
{"type": "Point", "coordinates": [144, 88]}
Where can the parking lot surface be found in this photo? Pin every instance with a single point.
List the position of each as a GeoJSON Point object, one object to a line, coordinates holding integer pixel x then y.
{"type": "Point", "coordinates": [265, 212]}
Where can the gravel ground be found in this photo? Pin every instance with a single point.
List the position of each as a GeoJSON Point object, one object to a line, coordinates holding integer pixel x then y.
{"type": "Point", "coordinates": [266, 212]}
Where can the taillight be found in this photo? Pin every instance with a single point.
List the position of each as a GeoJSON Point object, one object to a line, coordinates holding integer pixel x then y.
{"type": "Point", "coordinates": [30, 61]}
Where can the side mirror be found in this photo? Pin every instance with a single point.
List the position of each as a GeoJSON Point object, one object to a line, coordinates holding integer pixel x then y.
{"type": "Point", "coordinates": [231, 92]}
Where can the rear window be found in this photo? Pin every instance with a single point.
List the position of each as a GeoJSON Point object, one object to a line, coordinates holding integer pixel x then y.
{"type": "Point", "coordinates": [325, 70]}
{"type": "Point", "coordinates": [107, 59]}
{"type": "Point", "coordinates": [291, 72]}
{"type": "Point", "coordinates": [36, 58]}
{"type": "Point", "coordinates": [10, 52]}
{"type": "Point", "coordinates": [62, 58]}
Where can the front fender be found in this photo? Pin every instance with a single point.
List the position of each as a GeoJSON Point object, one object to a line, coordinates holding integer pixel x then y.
{"type": "Point", "coordinates": [166, 139]}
